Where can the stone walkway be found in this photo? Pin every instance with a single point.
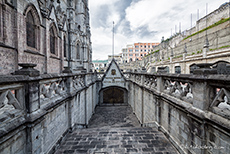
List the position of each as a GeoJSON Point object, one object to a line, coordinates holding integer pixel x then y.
{"type": "Point", "coordinates": [113, 116]}
{"type": "Point", "coordinates": [115, 130]}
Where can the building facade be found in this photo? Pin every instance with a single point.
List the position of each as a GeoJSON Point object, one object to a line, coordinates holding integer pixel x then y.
{"type": "Point", "coordinates": [99, 65]}
{"type": "Point", "coordinates": [206, 42]}
{"type": "Point", "coordinates": [137, 51]}
{"type": "Point", "coordinates": [50, 33]}
{"type": "Point", "coordinates": [118, 58]}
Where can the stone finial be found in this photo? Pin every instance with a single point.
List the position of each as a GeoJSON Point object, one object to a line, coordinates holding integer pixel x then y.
{"type": "Point", "coordinates": [185, 48]}
{"type": "Point", "coordinates": [27, 69]}
{"type": "Point", "coordinates": [67, 70]}
{"type": "Point", "coordinates": [162, 39]}
{"type": "Point", "coordinates": [206, 47]}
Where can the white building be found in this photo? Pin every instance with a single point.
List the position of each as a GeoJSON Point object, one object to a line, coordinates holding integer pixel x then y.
{"type": "Point", "coordinates": [118, 58]}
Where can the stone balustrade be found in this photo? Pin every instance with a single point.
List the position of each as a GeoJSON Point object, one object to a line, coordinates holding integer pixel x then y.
{"type": "Point", "coordinates": [36, 111]}
{"type": "Point", "coordinates": [192, 110]}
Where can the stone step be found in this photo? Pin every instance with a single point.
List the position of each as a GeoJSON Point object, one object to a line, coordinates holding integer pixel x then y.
{"type": "Point", "coordinates": [116, 140]}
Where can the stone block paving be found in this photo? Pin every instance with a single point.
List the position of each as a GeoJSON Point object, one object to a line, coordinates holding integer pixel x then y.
{"type": "Point", "coordinates": [116, 140]}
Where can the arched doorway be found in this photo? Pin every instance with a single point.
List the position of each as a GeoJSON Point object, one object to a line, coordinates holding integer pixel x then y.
{"type": "Point", "coordinates": [113, 96]}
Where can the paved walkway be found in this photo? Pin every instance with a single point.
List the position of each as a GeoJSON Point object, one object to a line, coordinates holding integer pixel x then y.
{"type": "Point", "coordinates": [115, 130]}
{"type": "Point", "coordinates": [113, 116]}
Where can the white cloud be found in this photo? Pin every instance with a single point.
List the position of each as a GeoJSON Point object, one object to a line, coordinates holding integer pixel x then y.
{"type": "Point", "coordinates": [141, 21]}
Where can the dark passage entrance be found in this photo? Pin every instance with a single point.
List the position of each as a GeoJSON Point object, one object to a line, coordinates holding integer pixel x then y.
{"type": "Point", "coordinates": [113, 95]}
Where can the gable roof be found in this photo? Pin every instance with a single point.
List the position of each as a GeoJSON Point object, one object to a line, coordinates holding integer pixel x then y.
{"type": "Point", "coordinates": [109, 67]}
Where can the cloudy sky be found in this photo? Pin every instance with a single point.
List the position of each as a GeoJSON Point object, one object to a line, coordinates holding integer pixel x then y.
{"type": "Point", "coordinates": [141, 21]}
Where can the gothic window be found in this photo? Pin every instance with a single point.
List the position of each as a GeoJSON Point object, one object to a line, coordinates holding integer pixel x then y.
{"type": "Point", "coordinates": [30, 30]}
{"type": "Point", "coordinates": [65, 52]}
{"type": "Point", "coordinates": [52, 41]}
{"type": "Point", "coordinates": [78, 51]}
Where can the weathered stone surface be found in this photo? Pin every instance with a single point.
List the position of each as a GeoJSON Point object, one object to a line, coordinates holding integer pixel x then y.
{"type": "Point", "coordinates": [183, 122]}
{"type": "Point", "coordinates": [14, 46]}
{"type": "Point", "coordinates": [115, 134]}
{"type": "Point", "coordinates": [113, 116]}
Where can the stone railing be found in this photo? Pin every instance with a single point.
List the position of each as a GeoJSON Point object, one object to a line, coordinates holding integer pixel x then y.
{"type": "Point", "coordinates": [192, 110]}
{"type": "Point", "coordinates": [208, 92]}
{"type": "Point", "coordinates": [48, 103]}
{"type": "Point", "coordinates": [52, 89]}
{"type": "Point", "coordinates": [12, 102]}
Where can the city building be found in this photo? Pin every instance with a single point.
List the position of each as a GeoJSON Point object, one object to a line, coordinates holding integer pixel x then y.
{"type": "Point", "coordinates": [125, 55]}
{"type": "Point", "coordinates": [99, 65]}
{"type": "Point", "coordinates": [137, 51]}
{"type": "Point", "coordinates": [118, 58]}
{"type": "Point", "coordinates": [206, 42]}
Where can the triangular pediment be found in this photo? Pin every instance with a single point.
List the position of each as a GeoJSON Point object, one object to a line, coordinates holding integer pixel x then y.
{"type": "Point", "coordinates": [113, 76]}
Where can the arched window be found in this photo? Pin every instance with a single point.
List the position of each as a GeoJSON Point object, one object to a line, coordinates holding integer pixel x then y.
{"type": "Point", "coordinates": [78, 51]}
{"type": "Point", "coordinates": [30, 30]}
{"type": "Point", "coordinates": [177, 69]}
{"type": "Point", "coordinates": [65, 52]}
{"type": "Point", "coordinates": [52, 41]}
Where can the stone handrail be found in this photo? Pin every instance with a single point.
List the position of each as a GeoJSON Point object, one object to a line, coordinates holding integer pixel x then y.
{"type": "Point", "coordinates": [25, 99]}
{"type": "Point", "coordinates": [203, 92]}
{"type": "Point", "coordinates": [191, 110]}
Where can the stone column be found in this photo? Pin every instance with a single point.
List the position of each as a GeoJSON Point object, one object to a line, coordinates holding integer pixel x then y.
{"type": "Point", "coordinates": [32, 102]}
{"type": "Point", "coordinates": [160, 83]}
{"type": "Point", "coordinates": [32, 90]}
{"type": "Point", "coordinates": [71, 29]}
{"type": "Point", "coordinates": [201, 95]}
{"type": "Point", "coordinates": [202, 92]}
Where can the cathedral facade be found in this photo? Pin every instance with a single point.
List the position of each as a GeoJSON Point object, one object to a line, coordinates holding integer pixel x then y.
{"type": "Point", "coordinates": [53, 34]}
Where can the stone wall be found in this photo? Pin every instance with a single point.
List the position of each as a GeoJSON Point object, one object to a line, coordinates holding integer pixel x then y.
{"type": "Point", "coordinates": [47, 14]}
{"type": "Point", "coordinates": [37, 112]}
{"type": "Point", "coordinates": [179, 51]}
{"type": "Point", "coordinates": [185, 108]}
